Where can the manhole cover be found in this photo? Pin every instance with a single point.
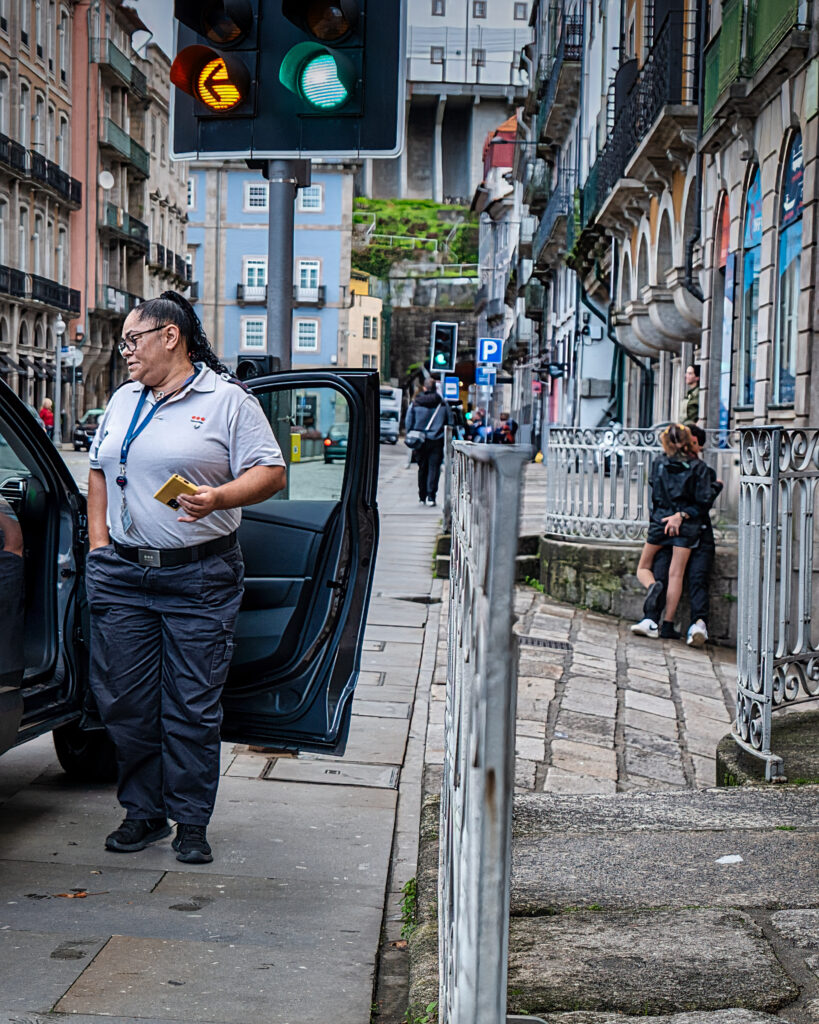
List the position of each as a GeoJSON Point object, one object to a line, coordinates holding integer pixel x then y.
{"type": "Point", "coordinates": [539, 641]}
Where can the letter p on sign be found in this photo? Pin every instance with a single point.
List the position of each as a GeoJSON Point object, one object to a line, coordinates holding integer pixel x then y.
{"type": "Point", "coordinates": [490, 350]}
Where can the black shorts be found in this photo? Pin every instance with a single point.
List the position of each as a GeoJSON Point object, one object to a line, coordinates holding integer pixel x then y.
{"type": "Point", "coordinates": [688, 538]}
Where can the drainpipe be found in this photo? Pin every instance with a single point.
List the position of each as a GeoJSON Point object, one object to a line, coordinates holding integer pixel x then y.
{"type": "Point", "coordinates": [691, 285]}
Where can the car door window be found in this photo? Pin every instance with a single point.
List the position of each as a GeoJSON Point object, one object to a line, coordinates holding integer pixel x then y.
{"type": "Point", "coordinates": [14, 477]}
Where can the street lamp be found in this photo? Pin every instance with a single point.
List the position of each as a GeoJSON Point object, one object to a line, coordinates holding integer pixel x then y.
{"type": "Point", "coordinates": [59, 330]}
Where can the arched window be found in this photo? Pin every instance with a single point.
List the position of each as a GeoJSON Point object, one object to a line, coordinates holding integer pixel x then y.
{"type": "Point", "coordinates": [63, 146]}
{"type": "Point", "coordinates": [39, 124]}
{"type": "Point", "coordinates": [789, 257]}
{"type": "Point", "coordinates": [749, 309]}
{"type": "Point", "coordinates": [62, 256]}
{"type": "Point", "coordinates": [48, 263]}
{"type": "Point", "coordinates": [65, 47]}
{"type": "Point", "coordinates": [37, 244]}
{"type": "Point", "coordinates": [24, 122]}
{"type": "Point", "coordinates": [5, 102]}
{"type": "Point", "coordinates": [22, 239]}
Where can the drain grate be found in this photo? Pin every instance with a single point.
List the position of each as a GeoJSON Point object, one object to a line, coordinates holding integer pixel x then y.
{"type": "Point", "coordinates": [538, 641]}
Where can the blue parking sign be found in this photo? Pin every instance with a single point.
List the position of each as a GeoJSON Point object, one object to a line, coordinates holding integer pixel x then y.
{"type": "Point", "coordinates": [490, 350]}
{"type": "Point", "coordinates": [484, 377]}
{"type": "Point", "coordinates": [452, 389]}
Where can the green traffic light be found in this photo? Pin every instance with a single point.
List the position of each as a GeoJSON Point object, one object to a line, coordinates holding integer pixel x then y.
{"type": "Point", "coordinates": [440, 358]}
{"type": "Point", "coordinates": [319, 83]}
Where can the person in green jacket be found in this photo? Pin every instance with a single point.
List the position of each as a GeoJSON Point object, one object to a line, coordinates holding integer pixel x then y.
{"type": "Point", "coordinates": [690, 412]}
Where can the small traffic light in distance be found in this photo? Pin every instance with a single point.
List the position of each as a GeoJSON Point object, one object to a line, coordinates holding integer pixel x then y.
{"type": "Point", "coordinates": [253, 367]}
{"type": "Point", "coordinates": [217, 67]}
{"type": "Point", "coordinates": [444, 347]}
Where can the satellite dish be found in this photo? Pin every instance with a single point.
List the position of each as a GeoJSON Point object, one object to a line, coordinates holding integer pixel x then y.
{"type": "Point", "coordinates": [106, 180]}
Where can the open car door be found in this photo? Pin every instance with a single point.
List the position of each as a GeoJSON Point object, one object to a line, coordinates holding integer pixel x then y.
{"type": "Point", "coordinates": [309, 560]}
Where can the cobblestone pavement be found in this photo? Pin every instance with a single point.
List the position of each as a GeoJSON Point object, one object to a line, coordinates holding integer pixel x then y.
{"type": "Point", "coordinates": [602, 711]}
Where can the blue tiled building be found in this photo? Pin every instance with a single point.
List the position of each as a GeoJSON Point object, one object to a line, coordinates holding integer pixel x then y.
{"type": "Point", "coordinates": [227, 246]}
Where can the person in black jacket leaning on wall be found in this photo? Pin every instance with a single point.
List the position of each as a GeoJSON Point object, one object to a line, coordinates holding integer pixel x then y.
{"type": "Point", "coordinates": [430, 413]}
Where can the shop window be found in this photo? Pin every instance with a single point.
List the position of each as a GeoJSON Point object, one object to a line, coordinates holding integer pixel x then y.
{"type": "Point", "coordinates": [749, 308]}
{"type": "Point", "coordinates": [789, 258]}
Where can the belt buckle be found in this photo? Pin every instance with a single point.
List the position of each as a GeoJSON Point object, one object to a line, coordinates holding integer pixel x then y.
{"type": "Point", "coordinates": [149, 557]}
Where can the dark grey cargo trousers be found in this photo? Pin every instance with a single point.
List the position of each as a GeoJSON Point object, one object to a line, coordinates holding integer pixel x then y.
{"type": "Point", "coordinates": [161, 644]}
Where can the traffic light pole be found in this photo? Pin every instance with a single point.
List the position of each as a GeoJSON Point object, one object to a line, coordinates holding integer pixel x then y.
{"type": "Point", "coordinates": [284, 178]}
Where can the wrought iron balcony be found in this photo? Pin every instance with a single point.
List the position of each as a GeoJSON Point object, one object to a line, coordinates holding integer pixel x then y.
{"type": "Point", "coordinates": [665, 80]}
{"type": "Point", "coordinates": [110, 57]}
{"type": "Point", "coordinates": [157, 256]}
{"type": "Point", "coordinates": [755, 43]}
{"type": "Point", "coordinates": [41, 289]}
{"type": "Point", "coordinates": [52, 175]}
{"type": "Point", "coordinates": [255, 293]}
{"type": "Point", "coordinates": [180, 267]}
{"type": "Point", "coordinates": [139, 82]}
{"type": "Point", "coordinates": [118, 140]}
{"type": "Point", "coordinates": [562, 94]}
{"type": "Point", "coordinates": [114, 300]}
{"type": "Point", "coordinates": [121, 223]}
{"type": "Point", "coordinates": [551, 240]}
{"type": "Point", "coordinates": [536, 182]}
{"type": "Point", "coordinates": [12, 282]}
{"type": "Point", "coordinates": [13, 155]}
{"type": "Point", "coordinates": [534, 297]}
{"type": "Point", "coordinates": [309, 296]}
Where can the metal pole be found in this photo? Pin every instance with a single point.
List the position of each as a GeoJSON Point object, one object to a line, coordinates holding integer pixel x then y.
{"type": "Point", "coordinates": [59, 332]}
{"type": "Point", "coordinates": [284, 177]}
{"type": "Point", "coordinates": [73, 393]}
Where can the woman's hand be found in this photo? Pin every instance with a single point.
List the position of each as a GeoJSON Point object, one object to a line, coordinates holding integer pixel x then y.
{"type": "Point", "coordinates": [199, 505]}
{"type": "Point", "coordinates": [673, 524]}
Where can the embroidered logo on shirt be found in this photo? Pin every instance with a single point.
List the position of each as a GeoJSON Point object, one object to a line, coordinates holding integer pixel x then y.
{"type": "Point", "coordinates": [197, 421]}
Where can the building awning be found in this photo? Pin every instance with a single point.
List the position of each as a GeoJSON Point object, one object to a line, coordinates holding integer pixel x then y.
{"type": "Point", "coordinates": [45, 368]}
{"type": "Point", "coordinates": [10, 364]}
{"type": "Point", "coordinates": [31, 364]}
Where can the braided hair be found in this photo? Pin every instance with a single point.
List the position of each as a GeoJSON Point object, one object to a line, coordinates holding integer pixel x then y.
{"type": "Point", "coordinates": [173, 308]}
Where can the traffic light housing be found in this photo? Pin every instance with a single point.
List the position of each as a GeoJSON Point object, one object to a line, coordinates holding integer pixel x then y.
{"type": "Point", "coordinates": [444, 347]}
{"type": "Point", "coordinates": [252, 367]}
{"type": "Point", "coordinates": [289, 80]}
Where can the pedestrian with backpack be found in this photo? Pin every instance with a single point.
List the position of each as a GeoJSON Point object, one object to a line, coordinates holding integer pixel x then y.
{"type": "Point", "coordinates": [425, 422]}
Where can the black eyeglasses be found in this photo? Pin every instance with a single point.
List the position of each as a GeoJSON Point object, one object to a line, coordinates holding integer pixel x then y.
{"type": "Point", "coordinates": [129, 341]}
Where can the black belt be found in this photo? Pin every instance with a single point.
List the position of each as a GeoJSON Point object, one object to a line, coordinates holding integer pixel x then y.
{"type": "Point", "coordinates": [161, 558]}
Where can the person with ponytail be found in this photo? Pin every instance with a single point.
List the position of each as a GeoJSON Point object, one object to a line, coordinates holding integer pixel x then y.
{"type": "Point", "coordinates": [165, 577]}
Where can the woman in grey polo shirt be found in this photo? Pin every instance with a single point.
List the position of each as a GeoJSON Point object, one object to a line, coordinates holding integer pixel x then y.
{"type": "Point", "coordinates": [164, 585]}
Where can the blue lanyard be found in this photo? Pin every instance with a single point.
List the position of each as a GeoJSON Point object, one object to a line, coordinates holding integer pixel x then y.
{"type": "Point", "coordinates": [134, 431]}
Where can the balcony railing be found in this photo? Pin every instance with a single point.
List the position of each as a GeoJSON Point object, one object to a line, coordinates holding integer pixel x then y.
{"type": "Point", "coordinates": [104, 52]}
{"type": "Point", "coordinates": [12, 282]}
{"type": "Point", "coordinates": [180, 267]}
{"type": "Point", "coordinates": [569, 51]}
{"type": "Point", "coordinates": [533, 299]}
{"type": "Point", "coordinates": [536, 183]}
{"type": "Point", "coordinates": [555, 216]}
{"type": "Point", "coordinates": [113, 300]}
{"type": "Point", "coordinates": [51, 174]}
{"type": "Point", "coordinates": [309, 296]}
{"type": "Point", "coordinates": [119, 140]}
{"type": "Point", "coordinates": [42, 289]}
{"type": "Point", "coordinates": [118, 220]}
{"type": "Point", "coordinates": [156, 255]}
{"type": "Point", "coordinates": [660, 82]}
{"type": "Point", "coordinates": [13, 155]}
{"type": "Point", "coordinates": [251, 293]}
{"type": "Point", "coordinates": [139, 82]}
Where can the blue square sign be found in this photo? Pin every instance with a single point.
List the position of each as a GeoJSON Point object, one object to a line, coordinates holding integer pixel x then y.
{"type": "Point", "coordinates": [452, 389]}
{"type": "Point", "coordinates": [484, 377]}
{"type": "Point", "coordinates": [490, 350]}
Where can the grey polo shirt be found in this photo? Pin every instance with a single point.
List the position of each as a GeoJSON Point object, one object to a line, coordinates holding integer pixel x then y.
{"type": "Point", "coordinates": [210, 433]}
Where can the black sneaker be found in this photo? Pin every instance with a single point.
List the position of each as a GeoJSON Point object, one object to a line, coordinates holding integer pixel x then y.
{"type": "Point", "coordinates": [136, 833]}
{"type": "Point", "coordinates": [191, 844]}
{"type": "Point", "coordinates": [667, 632]}
{"type": "Point", "coordinates": [651, 605]}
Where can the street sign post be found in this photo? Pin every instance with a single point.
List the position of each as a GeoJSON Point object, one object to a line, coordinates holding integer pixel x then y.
{"type": "Point", "coordinates": [485, 377]}
{"type": "Point", "coordinates": [452, 389]}
{"type": "Point", "coordinates": [490, 350]}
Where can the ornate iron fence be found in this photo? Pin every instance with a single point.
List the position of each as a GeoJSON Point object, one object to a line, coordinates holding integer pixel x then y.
{"type": "Point", "coordinates": [479, 764]}
{"type": "Point", "coordinates": [597, 482]}
{"type": "Point", "coordinates": [777, 645]}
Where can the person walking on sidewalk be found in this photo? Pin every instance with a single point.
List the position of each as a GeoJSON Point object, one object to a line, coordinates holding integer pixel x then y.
{"type": "Point", "coordinates": [691, 403]}
{"type": "Point", "coordinates": [46, 414]}
{"type": "Point", "coordinates": [700, 563]}
{"type": "Point", "coordinates": [164, 584]}
{"type": "Point", "coordinates": [430, 414]}
{"type": "Point", "coordinates": [680, 492]}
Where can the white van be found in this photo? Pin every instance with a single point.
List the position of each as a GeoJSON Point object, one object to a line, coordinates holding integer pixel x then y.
{"type": "Point", "coordinates": [390, 413]}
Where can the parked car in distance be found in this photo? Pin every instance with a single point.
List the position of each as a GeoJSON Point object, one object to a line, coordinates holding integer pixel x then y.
{"type": "Point", "coordinates": [390, 414]}
{"type": "Point", "coordinates": [335, 444]}
{"type": "Point", "coordinates": [85, 428]}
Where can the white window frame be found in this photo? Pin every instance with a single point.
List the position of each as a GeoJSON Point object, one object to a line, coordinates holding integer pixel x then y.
{"type": "Point", "coordinates": [305, 194]}
{"type": "Point", "coordinates": [39, 38]}
{"type": "Point", "coordinates": [254, 322]}
{"type": "Point", "coordinates": [247, 205]}
{"type": "Point", "coordinates": [365, 327]}
{"type": "Point", "coordinates": [254, 278]}
{"type": "Point", "coordinates": [304, 321]}
{"type": "Point", "coordinates": [5, 100]}
{"type": "Point", "coordinates": [438, 8]}
{"type": "Point", "coordinates": [25, 24]}
{"type": "Point", "coordinates": [191, 193]}
{"type": "Point", "coordinates": [4, 16]}
{"type": "Point", "coordinates": [5, 215]}
{"type": "Point", "coordinates": [521, 12]}
{"type": "Point", "coordinates": [478, 9]}
{"type": "Point", "coordinates": [436, 55]}
{"type": "Point", "coordinates": [374, 331]}
{"type": "Point", "coordinates": [65, 47]}
{"type": "Point", "coordinates": [308, 270]}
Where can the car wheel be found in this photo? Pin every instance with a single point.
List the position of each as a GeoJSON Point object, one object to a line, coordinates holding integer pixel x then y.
{"type": "Point", "coordinates": [85, 756]}
{"type": "Point", "coordinates": [394, 440]}
{"type": "Point", "coordinates": [327, 461]}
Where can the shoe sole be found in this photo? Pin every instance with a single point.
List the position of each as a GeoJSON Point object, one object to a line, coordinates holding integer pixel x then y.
{"type": "Point", "coordinates": [644, 632]}
{"type": "Point", "coordinates": [697, 640]}
{"type": "Point", "coordinates": [195, 857]}
{"type": "Point", "coordinates": [152, 837]}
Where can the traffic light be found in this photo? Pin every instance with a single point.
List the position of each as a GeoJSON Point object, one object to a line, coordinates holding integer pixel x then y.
{"type": "Point", "coordinates": [251, 367]}
{"type": "Point", "coordinates": [291, 79]}
{"type": "Point", "coordinates": [444, 347]}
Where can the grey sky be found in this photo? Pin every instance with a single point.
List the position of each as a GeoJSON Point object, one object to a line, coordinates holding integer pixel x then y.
{"type": "Point", "coordinates": [158, 16]}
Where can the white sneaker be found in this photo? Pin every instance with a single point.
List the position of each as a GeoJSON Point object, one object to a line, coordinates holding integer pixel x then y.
{"type": "Point", "coordinates": [646, 627]}
{"type": "Point", "coordinates": [697, 634]}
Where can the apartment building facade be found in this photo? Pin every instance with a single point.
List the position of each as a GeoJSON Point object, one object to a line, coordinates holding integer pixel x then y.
{"type": "Point", "coordinates": [227, 241]}
{"type": "Point", "coordinates": [38, 194]}
{"type": "Point", "coordinates": [465, 75]}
